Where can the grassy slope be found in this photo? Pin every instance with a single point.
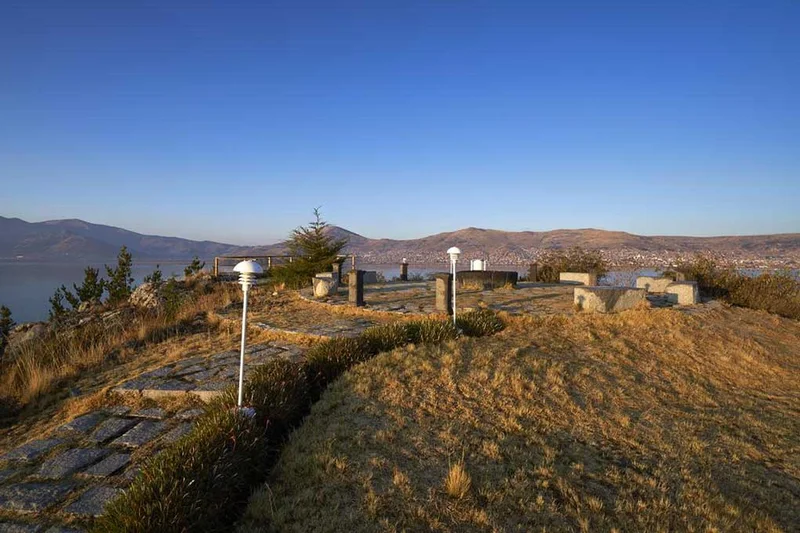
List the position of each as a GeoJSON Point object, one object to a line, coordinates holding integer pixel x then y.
{"type": "Point", "coordinates": [639, 421]}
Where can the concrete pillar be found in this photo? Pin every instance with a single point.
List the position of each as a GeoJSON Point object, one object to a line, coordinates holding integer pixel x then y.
{"type": "Point", "coordinates": [356, 288]}
{"type": "Point", "coordinates": [444, 293]}
{"type": "Point", "coordinates": [533, 272]}
{"type": "Point", "coordinates": [337, 269]}
{"type": "Point", "coordinates": [403, 271]}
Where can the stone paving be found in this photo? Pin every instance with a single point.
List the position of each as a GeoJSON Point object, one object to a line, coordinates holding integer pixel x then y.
{"type": "Point", "coordinates": [59, 482]}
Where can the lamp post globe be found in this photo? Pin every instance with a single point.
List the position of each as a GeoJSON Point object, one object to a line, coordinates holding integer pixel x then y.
{"type": "Point", "coordinates": [247, 271]}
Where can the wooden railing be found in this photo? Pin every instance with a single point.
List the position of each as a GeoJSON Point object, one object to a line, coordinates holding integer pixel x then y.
{"type": "Point", "coordinates": [267, 261]}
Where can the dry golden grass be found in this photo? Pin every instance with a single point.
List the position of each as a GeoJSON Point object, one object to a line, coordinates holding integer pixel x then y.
{"type": "Point", "coordinates": [642, 421]}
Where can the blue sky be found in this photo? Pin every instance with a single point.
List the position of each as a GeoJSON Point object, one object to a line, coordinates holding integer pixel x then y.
{"type": "Point", "coordinates": [232, 120]}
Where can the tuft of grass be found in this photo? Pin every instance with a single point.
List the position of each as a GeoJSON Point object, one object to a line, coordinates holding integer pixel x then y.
{"type": "Point", "coordinates": [387, 337]}
{"type": "Point", "coordinates": [457, 482]}
{"type": "Point", "coordinates": [329, 359]}
{"type": "Point", "coordinates": [431, 331]}
{"type": "Point", "coordinates": [479, 323]}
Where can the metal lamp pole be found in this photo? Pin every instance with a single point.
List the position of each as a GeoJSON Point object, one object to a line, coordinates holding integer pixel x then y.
{"type": "Point", "coordinates": [454, 252]}
{"type": "Point", "coordinates": [247, 274]}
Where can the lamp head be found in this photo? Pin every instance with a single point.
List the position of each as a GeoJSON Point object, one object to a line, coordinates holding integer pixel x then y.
{"type": "Point", "coordinates": [247, 271]}
{"type": "Point", "coordinates": [453, 253]}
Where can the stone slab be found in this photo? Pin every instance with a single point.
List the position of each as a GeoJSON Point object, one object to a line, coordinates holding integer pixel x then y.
{"type": "Point", "coordinates": [7, 474]}
{"type": "Point", "coordinates": [155, 413]}
{"type": "Point", "coordinates": [19, 527]}
{"type": "Point", "coordinates": [580, 278]}
{"type": "Point", "coordinates": [206, 395]}
{"type": "Point", "coordinates": [84, 423]}
{"type": "Point", "coordinates": [683, 293]}
{"type": "Point", "coordinates": [157, 373]}
{"type": "Point", "coordinates": [113, 427]}
{"type": "Point", "coordinates": [177, 432]}
{"type": "Point", "coordinates": [608, 299]}
{"type": "Point", "coordinates": [93, 501]}
{"type": "Point", "coordinates": [189, 370]}
{"type": "Point", "coordinates": [140, 435]}
{"type": "Point", "coordinates": [70, 462]}
{"type": "Point", "coordinates": [109, 466]}
{"type": "Point", "coordinates": [32, 497]}
{"type": "Point", "coordinates": [31, 450]}
{"type": "Point", "coordinates": [189, 414]}
{"type": "Point", "coordinates": [118, 410]}
{"type": "Point", "coordinates": [652, 284]}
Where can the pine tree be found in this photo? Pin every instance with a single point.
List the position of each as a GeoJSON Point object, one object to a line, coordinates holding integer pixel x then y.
{"type": "Point", "coordinates": [6, 323]}
{"type": "Point", "coordinates": [195, 267]}
{"type": "Point", "coordinates": [120, 279]}
{"type": "Point", "coordinates": [314, 250]}
{"type": "Point", "coordinates": [57, 309]}
{"type": "Point", "coordinates": [93, 286]}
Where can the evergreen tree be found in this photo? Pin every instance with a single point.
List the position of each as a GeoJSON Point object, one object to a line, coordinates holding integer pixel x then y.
{"type": "Point", "coordinates": [92, 287]}
{"type": "Point", "coordinates": [156, 278]}
{"type": "Point", "coordinates": [57, 309]}
{"type": "Point", "coordinates": [6, 323]}
{"type": "Point", "coordinates": [195, 267]}
{"type": "Point", "coordinates": [120, 279]}
{"type": "Point", "coordinates": [314, 250]}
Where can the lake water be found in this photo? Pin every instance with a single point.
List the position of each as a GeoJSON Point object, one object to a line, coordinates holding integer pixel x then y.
{"type": "Point", "coordinates": [26, 287]}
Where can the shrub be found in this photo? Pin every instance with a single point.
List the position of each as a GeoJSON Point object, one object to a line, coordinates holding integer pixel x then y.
{"type": "Point", "coordinates": [156, 278]}
{"type": "Point", "coordinates": [197, 484]}
{"type": "Point", "coordinates": [479, 323]}
{"type": "Point", "coordinates": [387, 337]}
{"type": "Point", "coordinates": [6, 323]}
{"type": "Point", "coordinates": [777, 292]}
{"type": "Point", "coordinates": [278, 391]}
{"type": "Point", "coordinates": [120, 279]}
{"type": "Point", "coordinates": [553, 262]}
{"type": "Point", "coordinates": [327, 360]}
{"type": "Point", "coordinates": [431, 331]}
{"type": "Point", "coordinates": [92, 287]}
{"type": "Point", "coordinates": [57, 309]}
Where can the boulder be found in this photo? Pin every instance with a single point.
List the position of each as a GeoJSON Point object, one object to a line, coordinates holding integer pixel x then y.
{"type": "Point", "coordinates": [608, 299]}
{"type": "Point", "coordinates": [147, 296]}
{"type": "Point", "coordinates": [683, 293]}
{"type": "Point", "coordinates": [26, 332]}
{"type": "Point", "coordinates": [325, 286]}
{"type": "Point", "coordinates": [651, 284]}
{"type": "Point", "coordinates": [578, 278]}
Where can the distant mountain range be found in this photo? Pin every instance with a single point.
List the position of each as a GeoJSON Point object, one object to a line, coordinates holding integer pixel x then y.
{"type": "Point", "coordinates": [79, 240]}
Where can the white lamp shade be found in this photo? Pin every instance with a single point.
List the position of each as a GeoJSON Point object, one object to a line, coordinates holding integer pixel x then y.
{"type": "Point", "coordinates": [248, 267]}
{"type": "Point", "coordinates": [453, 253]}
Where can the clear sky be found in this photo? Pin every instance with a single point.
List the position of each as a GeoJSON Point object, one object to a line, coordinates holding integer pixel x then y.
{"type": "Point", "coordinates": [232, 120]}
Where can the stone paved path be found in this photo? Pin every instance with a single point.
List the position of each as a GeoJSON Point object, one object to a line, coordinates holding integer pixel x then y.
{"type": "Point", "coordinates": [59, 482]}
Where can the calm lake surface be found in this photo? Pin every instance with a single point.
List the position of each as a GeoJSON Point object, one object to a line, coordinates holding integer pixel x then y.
{"type": "Point", "coordinates": [25, 287]}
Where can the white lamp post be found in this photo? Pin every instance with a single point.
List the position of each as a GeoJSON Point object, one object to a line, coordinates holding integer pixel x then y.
{"type": "Point", "coordinates": [247, 275]}
{"type": "Point", "coordinates": [454, 253]}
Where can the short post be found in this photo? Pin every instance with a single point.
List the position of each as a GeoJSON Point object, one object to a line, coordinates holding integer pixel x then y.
{"type": "Point", "coordinates": [247, 271]}
{"type": "Point", "coordinates": [356, 288]}
{"type": "Point", "coordinates": [533, 272]}
{"type": "Point", "coordinates": [353, 262]}
{"type": "Point", "coordinates": [337, 270]}
{"type": "Point", "coordinates": [404, 270]}
{"type": "Point", "coordinates": [444, 293]}
{"type": "Point", "coordinates": [216, 267]}
{"type": "Point", "coordinates": [453, 252]}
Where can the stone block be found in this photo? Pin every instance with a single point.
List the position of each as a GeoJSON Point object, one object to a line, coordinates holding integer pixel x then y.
{"type": "Point", "coordinates": [19, 527]}
{"type": "Point", "coordinates": [370, 276]}
{"type": "Point", "coordinates": [113, 427]}
{"type": "Point", "coordinates": [189, 414]}
{"type": "Point", "coordinates": [608, 299]}
{"type": "Point", "coordinates": [7, 474]}
{"type": "Point", "coordinates": [31, 450]}
{"type": "Point", "coordinates": [683, 293]}
{"type": "Point", "coordinates": [325, 286]}
{"type": "Point", "coordinates": [578, 278]}
{"type": "Point", "coordinates": [33, 497]}
{"type": "Point", "coordinates": [84, 423]}
{"type": "Point", "coordinates": [533, 272]}
{"type": "Point", "coordinates": [93, 501]}
{"type": "Point", "coordinates": [355, 286]}
{"type": "Point", "coordinates": [140, 435]}
{"type": "Point", "coordinates": [651, 284]}
{"type": "Point", "coordinates": [155, 413]}
{"type": "Point", "coordinates": [444, 293]}
{"type": "Point", "coordinates": [109, 465]}
{"type": "Point", "coordinates": [70, 462]}
{"type": "Point", "coordinates": [404, 271]}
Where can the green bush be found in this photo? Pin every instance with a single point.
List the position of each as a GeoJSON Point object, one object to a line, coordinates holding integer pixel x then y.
{"type": "Point", "coordinates": [6, 324]}
{"type": "Point", "coordinates": [387, 337]}
{"type": "Point", "coordinates": [479, 323]}
{"type": "Point", "coordinates": [199, 483]}
{"type": "Point", "coordinates": [195, 267]}
{"type": "Point", "coordinates": [775, 292]}
{"type": "Point", "coordinates": [278, 391]}
{"type": "Point", "coordinates": [120, 279]}
{"type": "Point", "coordinates": [553, 262]}
{"type": "Point", "coordinates": [430, 331]}
{"type": "Point", "coordinates": [329, 359]}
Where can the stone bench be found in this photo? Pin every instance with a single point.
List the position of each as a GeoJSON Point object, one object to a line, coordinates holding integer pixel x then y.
{"type": "Point", "coordinates": [325, 284]}
{"type": "Point", "coordinates": [683, 293]}
{"type": "Point", "coordinates": [579, 278]}
{"type": "Point", "coordinates": [486, 279]}
{"type": "Point", "coordinates": [608, 299]}
{"type": "Point", "coordinates": [370, 277]}
{"type": "Point", "coordinates": [652, 284]}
